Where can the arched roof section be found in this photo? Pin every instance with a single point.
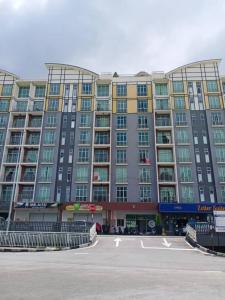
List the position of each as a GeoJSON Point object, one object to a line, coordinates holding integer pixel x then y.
{"type": "Point", "coordinates": [9, 74]}
{"type": "Point", "coordinates": [71, 67]}
{"type": "Point", "coordinates": [193, 64]}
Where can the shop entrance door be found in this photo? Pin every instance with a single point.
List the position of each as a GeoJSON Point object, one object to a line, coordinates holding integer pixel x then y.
{"type": "Point", "coordinates": [138, 224]}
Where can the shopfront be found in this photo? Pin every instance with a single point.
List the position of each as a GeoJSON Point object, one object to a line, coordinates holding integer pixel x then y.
{"type": "Point", "coordinates": [175, 216]}
{"type": "Point", "coordinates": [88, 212]}
{"type": "Point", "coordinates": [36, 212]}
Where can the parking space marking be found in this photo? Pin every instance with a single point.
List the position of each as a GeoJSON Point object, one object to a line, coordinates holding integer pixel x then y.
{"type": "Point", "coordinates": [165, 248]}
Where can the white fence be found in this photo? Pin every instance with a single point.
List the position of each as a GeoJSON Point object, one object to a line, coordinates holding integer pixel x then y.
{"type": "Point", "coordinates": [31, 239]}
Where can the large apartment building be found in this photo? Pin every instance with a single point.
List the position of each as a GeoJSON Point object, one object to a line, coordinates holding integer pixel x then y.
{"type": "Point", "coordinates": [115, 149]}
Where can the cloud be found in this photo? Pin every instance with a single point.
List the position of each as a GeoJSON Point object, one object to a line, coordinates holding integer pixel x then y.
{"type": "Point", "coordinates": [124, 36]}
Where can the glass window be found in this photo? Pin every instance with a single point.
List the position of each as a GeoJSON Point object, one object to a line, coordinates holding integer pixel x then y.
{"type": "Point", "coordinates": [85, 120]}
{"type": "Point", "coordinates": [53, 104]}
{"type": "Point", "coordinates": [51, 120]}
{"type": "Point", "coordinates": [67, 90]}
{"type": "Point", "coordinates": [7, 90]}
{"type": "Point", "coordinates": [83, 155]}
{"type": "Point", "coordinates": [6, 192]}
{"type": "Point", "coordinates": [121, 122]}
{"type": "Point", "coordinates": [220, 154]}
{"type": "Point", "coordinates": [4, 105]}
{"type": "Point", "coordinates": [142, 90]}
{"type": "Point", "coordinates": [179, 102]}
{"type": "Point", "coordinates": [181, 119]}
{"type": "Point", "coordinates": [102, 121]}
{"type": "Point", "coordinates": [142, 121]}
{"type": "Point", "coordinates": [54, 89]}
{"type": "Point", "coordinates": [161, 89]}
{"type": "Point", "coordinates": [165, 155]}
{"type": "Point", "coordinates": [3, 120]}
{"type": "Point", "coordinates": [85, 137]}
{"type": "Point", "coordinates": [143, 138]}
{"type": "Point", "coordinates": [121, 106]}
{"type": "Point", "coordinates": [101, 155]}
{"type": "Point", "coordinates": [162, 104]}
{"type": "Point", "coordinates": [185, 174]}
{"type": "Point", "coordinates": [144, 156]}
{"type": "Point", "coordinates": [121, 156]}
{"type": "Point", "coordinates": [164, 137]}
{"type": "Point", "coordinates": [100, 193]}
{"type": "Point", "coordinates": [43, 193]}
{"type": "Point", "coordinates": [214, 102]}
{"type": "Point", "coordinates": [187, 193]}
{"type": "Point", "coordinates": [101, 174]}
{"type": "Point", "coordinates": [178, 86]}
{"type": "Point", "coordinates": [218, 135]}
{"type": "Point", "coordinates": [102, 90]}
{"type": "Point", "coordinates": [216, 118]}
{"type": "Point", "coordinates": [121, 139]}
{"type": "Point", "coordinates": [85, 104]}
{"type": "Point", "coordinates": [182, 136]}
{"type": "Point", "coordinates": [102, 137]}
{"type": "Point", "coordinates": [222, 193]}
{"type": "Point", "coordinates": [45, 173]}
{"type": "Point", "coordinates": [2, 137]}
{"type": "Point", "coordinates": [82, 173]}
{"type": "Point", "coordinates": [40, 91]}
{"type": "Point", "coordinates": [49, 137]}
{"type": "Point", "coordinates": [144, 175]}
{"type": "Point", "coordinates": [145, 193]}
{"type": "Point", "coordinates": [24, 92]}
{"type": "Point", "coordinates": [121, 90]}
{"type": "Point", "coordinates": [103, 105]}
{"type": "Point", "coordinates": [166, 174]}
{"type": "Point", "coordinates": [86, 88]}
{"type": "Point", "coordinates": [142, 105]}
{"type": "Point", "coordinates": [184, 154]}
{"type": "Point", "coordinates": [81, 192]}
{"type": "Point", "coordinates": [121, 174]}
{"type": "Point", "coordinates": [212, 86]}
{"type": "Point", "coordinates": [163, 120]}
{"type": "Point", "coordinates": [167, 194]}
{"type": "Point", "coordinates": [121, 193]}
{"type": "Point", "coordinates": [38, 105]}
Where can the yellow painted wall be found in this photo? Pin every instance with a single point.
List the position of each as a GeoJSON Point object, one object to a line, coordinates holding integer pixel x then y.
{"type": "Point", "coordinates": [0, 89]}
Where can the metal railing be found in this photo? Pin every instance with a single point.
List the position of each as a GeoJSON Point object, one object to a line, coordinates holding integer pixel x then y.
{"type": "Point", "coordinates": [42, 239]}
{"type": "Point", "coordinates": [191, 232]}
{"type": "Point", "coordinates": [69, 235]}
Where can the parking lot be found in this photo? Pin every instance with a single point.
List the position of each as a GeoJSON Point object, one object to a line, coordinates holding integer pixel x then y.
{"type": "Point", "coordinates": [115, 267]}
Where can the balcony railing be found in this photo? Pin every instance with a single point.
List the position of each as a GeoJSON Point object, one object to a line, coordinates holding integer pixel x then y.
{"type": "Point", "coordinates": [163, 122]}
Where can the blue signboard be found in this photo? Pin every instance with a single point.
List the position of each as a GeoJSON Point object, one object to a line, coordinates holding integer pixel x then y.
{"type": "Point", "coordinates": [197, 208]}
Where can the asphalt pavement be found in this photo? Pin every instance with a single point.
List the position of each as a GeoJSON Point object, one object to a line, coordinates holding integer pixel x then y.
{"type": "Point", "coordinates": [115, 267]}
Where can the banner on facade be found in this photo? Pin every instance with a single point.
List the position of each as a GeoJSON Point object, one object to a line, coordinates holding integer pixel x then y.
{"type": "Point", "coordinates": [35, 205]}
{"type": "Point", "coordinates": [84, 207]}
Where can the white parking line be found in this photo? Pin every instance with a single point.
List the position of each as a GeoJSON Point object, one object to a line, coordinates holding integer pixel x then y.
{"type": "Point", "coordinates": [166, 248]}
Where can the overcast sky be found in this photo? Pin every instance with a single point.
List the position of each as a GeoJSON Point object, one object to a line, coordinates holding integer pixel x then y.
{"type": "Point", "coordinates": [109, 35]}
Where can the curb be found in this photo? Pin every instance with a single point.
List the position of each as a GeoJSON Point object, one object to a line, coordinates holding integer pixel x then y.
{"type": "Point", "coordinates": [44, 249]}
{"type": "Point", "coordinates": [206, 250]}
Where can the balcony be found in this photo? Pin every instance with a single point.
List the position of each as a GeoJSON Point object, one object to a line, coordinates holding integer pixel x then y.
{"type": "Point", "coordinates": [18, 123]}
{"type": "Point", "coordinates": [103, 106]}
{"type": "Point", "coordinates": [35, 122]}
{"type": "Point", "coordinates": [12, 157]}
{"type": "Point", "coordinates": [15, 140]}
{"type": "Point", "coordinates": [101, 156]}
{"type": "Point", "coordinates": [163, 121]}
{"type": "Point", "coordinates": [25, 196]}
{"type": "Point", "coordinates": [33, 139]}
{"type": "Point", "coordinates": [166, 177]}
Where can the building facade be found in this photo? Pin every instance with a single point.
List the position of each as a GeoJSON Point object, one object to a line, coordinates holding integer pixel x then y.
{"type": "Point", "coordinates": [115, 149]}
